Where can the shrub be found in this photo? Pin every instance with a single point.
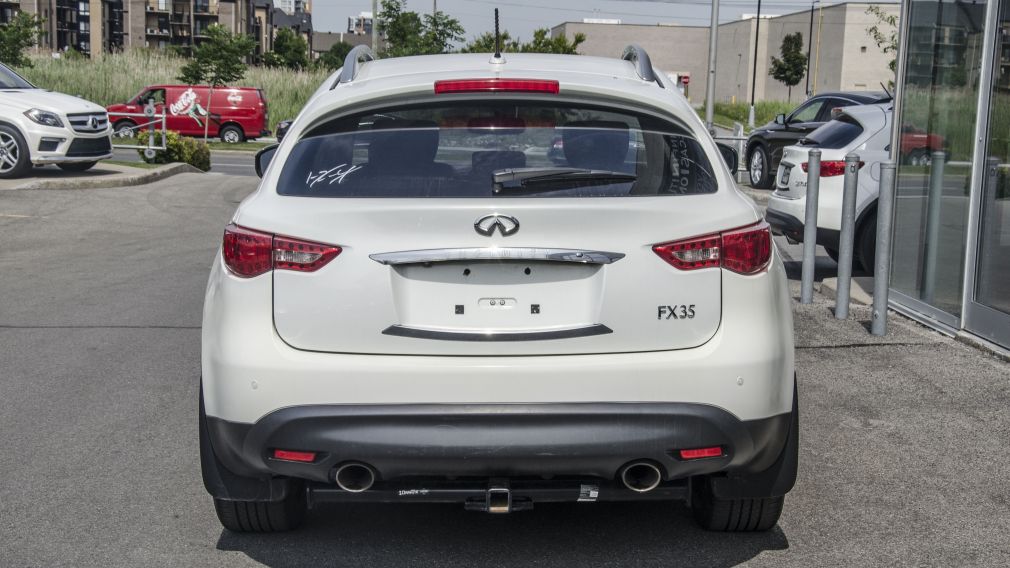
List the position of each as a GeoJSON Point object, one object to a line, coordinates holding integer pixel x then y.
{"type": "Point", "coordinates": [178, 148]}
{"type": "Point", "coordinates": [764, 111]}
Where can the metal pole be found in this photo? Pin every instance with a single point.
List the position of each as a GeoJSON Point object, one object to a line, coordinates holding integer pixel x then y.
{"type": "Point", "coordinates": [810, 227]}
{"type": "Point", "coordinates": [810, 39]}
{"type": "Point", "coordinates": [932, 227]}
{"type": "Point", "coordinates": [882, 257]}
{"type": "Point", "coordinates": [713, 38]}
{"type": "Point", "coordinates": [753, 82]}
{"type": "Point", "coordinates": [375, 26]}
{"type": "Point", "coordinates": [845, 244]}
{"type": "Point", "coordinates": [738, 134]}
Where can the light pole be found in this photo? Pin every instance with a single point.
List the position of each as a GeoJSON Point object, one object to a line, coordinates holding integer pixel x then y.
{"type": "Point", "coordinates": [713, 39]}
{"type": "Point", "coordinates": [810, 38]}
{"type": "Point", "coordinates": [753, 84]}
{"type": "Point", "coordinates": [375, 26]}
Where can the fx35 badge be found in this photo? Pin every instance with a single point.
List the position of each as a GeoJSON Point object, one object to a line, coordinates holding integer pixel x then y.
{"type": "Point", "coordinates": [675, 312]}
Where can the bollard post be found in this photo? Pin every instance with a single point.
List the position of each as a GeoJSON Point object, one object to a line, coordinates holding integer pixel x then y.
{"type": "Point", "coordinates": [742, 159]}
{"type": "Point", "coordinates": [932, 227]}
{"type": "Point", "coordinates": [882, 257]}
{"type": "Point", "coordinates": [846, 244]}
{"type": "Point", "coordinates": [810, 227]}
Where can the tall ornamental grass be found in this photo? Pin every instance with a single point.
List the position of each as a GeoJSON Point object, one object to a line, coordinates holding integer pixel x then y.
{"type": "Point", "coordinates": [764, 111]}
{"type": "Point", "coordinates": [115, 78]}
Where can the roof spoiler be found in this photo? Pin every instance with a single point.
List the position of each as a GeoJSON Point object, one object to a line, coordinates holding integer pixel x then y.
{"type": "Point", "coordinates": [640, 59]}
{"type": "Point", "coordinates": [355, 58]}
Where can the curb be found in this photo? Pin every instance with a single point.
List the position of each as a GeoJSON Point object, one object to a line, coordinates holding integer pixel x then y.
{"type": "Point", "coordinates": [116, 180]}
{"type": "Point", "coordinates": [829, 289]}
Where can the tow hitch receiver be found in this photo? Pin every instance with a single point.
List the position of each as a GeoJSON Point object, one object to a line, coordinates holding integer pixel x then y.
{"type": "Point", "coordinates": [498, 499]}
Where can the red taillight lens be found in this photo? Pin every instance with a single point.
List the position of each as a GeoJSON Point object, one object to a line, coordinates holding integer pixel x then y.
{"type": "Point", "coordinates": [295, 456]}
{"type": "Point", "coordinates": [746, 250]}
{"type": "Point", "coordinates": [496, 85]}
{"type": "Point", "coordinates": [831, 168]}
{"type": "Point", "coordinates": [249, 253]}
{"type": "Point", "coordinates": [698, 453]}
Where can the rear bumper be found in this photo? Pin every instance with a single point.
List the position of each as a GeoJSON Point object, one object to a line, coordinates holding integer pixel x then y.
{"type": "Point", "coordinates": [792, 228]}
{"type": "Point", "coordinates": [498, 440]}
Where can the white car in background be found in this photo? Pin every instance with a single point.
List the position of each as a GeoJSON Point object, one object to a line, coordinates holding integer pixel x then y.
{"type": "Point", "coordinates": [865, 130]}
{"type": "Point", "coordinates": [39, 127]}
{"type": "Point", "coordinates": [411, 308]}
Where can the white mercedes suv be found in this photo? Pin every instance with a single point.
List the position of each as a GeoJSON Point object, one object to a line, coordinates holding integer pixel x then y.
{"type": "Point", "coordinates": [39, 127]}
{"type": "Point", "coordinates": [418, 305]}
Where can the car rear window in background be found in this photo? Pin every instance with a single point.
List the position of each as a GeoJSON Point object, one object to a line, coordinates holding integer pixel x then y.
{"type": "Point", "coordinates": [835, 134]}
{"type": "Point", "coordinates": [443, 150]}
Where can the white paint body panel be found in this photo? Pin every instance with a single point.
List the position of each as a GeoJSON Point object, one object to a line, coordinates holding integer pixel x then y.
{"type": "Point", "coordinates": [872, 147]}
{"type": "Point", "coordinates": [738, 355]}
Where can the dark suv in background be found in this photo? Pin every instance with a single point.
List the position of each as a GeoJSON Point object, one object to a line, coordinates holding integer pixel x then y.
{"type": "Point", "coordinates": [764, 147]}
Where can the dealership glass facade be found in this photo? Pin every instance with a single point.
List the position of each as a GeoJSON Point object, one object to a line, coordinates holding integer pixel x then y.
{"type": "Point", "coordinates": [951, 260]}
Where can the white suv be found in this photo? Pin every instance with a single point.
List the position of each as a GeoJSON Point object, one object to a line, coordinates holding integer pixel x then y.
{"type": "Point", "coordinates": [419, 305]}
{"type": "Point", "coordinates": [39, 127]}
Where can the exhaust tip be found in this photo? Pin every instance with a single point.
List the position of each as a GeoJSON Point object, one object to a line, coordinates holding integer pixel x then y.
{"type": "Point", "coordinates": [355, 477]}
{"type": "Point", "coordinates": [641, 476]}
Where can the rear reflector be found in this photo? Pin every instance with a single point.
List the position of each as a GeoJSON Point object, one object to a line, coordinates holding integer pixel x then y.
{"type": "Point", "coordinates": [249, 253]}
{"type": "Point", "coordinates": [291, 455]}
{"type": "Point", "coordinates": [831, 168]}
{"type": "Point", "coordinates": [746, 250]}
{"type": "Point", "coordinates": [496, 85]}
{"type": "Point", "coordinates": [698, 453]}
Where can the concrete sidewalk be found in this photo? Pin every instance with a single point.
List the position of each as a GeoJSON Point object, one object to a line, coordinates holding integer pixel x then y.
{"type": "Point", "coordinates": [102, 175]}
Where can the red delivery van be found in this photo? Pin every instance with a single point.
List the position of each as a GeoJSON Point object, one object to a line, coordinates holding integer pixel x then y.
{"type": "Point", "coordinates": [236, 114]}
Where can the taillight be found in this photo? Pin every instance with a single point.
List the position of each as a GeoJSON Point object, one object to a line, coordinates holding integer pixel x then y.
{"type": "Point", "coordinates": [746, 250]}
{"type": "Point", "coordinates": [249, 253]}
{"type": "Point", "coordinates": [496, 85]}
{"type": "Point", "coordinates": [831, 168]}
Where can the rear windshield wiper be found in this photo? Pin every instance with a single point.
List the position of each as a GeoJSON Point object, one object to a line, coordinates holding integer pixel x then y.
{"type": "Point", "coordinates": [534, 180]}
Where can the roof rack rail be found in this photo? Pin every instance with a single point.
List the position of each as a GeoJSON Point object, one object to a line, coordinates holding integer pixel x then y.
{"type": "Point", "coordinates": [640, 59]}
{"type": "Point", "coordinates": [357, 56]}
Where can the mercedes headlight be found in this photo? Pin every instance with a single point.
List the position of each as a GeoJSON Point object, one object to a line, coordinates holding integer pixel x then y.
{"type": "Point", "coordinates": [44, 117]}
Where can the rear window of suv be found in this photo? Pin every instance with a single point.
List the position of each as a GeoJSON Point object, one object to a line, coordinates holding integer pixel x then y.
{"type": "Point", "coordinates": [497, 149]}
{"type": "Point", "coordinates": [835, 134]}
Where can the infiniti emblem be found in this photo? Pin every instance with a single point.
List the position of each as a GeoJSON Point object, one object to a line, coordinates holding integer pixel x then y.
{"type": "Point", "coordinates": [505, 224]}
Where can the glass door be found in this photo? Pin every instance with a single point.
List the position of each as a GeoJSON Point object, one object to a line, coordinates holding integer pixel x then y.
{"type": "Point", "coordinates": [988, 312]}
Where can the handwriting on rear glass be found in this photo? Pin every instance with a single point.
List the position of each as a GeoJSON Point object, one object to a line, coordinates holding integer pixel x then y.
{"type": "Point", "coordinates": [331, 175]}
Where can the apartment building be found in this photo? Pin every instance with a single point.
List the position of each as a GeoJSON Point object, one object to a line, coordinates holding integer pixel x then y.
{"type": "Point", "coordinates": [93, 27]}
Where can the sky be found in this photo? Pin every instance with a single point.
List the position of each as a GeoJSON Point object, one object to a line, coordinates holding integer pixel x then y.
{"type": "Point", "coordinates": [521, 17]}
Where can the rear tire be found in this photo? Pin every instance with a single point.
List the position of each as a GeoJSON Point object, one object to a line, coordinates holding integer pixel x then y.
{"type": "Point", "coordinates": [77, 166]}
{"type": "Point", "coordinates": [866, 243]}
{"type": "Point", "coordinates": [261, 516]}
{"type": "Point", "coordinates": [832, 253]}
{"type": "Point", "coordinates": [733, 515]}
{"type": "Point", "coordinates": [232, 134]}
{"type": "Point", "coordinates": [759, 168]}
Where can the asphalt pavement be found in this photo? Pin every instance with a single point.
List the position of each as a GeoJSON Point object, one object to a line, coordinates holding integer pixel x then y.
{"type": "Point", "coordinates": [228, 162]}
{"type": "Point", "coordinates": [903, 440]}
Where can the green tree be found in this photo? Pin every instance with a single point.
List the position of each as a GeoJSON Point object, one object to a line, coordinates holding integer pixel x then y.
{"type": "Point", "coordinates": [291, 50]}
{"type": "Point", "coordinates": [333, 59]}
{"type": "Point", "coordinates": [884, 33]}
{"type": "Point", "coordinates": [217, 61]}
{"type": "Point", "coordinates": [22, 32]}
{"type": "Point", "coordinates": [541, 43]}
{"type": "Point", "coordinates": [408, 33]}
{"type": "Point", "coordinates": [790, 69]}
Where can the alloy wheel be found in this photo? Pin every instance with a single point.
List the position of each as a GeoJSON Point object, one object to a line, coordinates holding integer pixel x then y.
{"type": "Point", "coordinates": [757, 166]}
{"type": "Point", "coordinates": [9, 152]}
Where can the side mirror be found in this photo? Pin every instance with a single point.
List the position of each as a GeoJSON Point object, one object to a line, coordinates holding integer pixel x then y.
{"type": "Point", "coordinates": [729, 156]}
{"type": "Point", "coordinates": [264, 157]}
{"type": "Point", "coordinates": [780, 119]}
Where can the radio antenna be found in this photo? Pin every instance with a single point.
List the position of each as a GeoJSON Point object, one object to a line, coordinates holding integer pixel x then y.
{"type": "Point", "coordinates": [497, 36]}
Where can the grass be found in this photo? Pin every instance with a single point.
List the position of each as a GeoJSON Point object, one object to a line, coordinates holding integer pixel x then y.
{"type": "Point", "coordinates": [242, 147]}
{"type": "Point", "coordinates": [115, 78]}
